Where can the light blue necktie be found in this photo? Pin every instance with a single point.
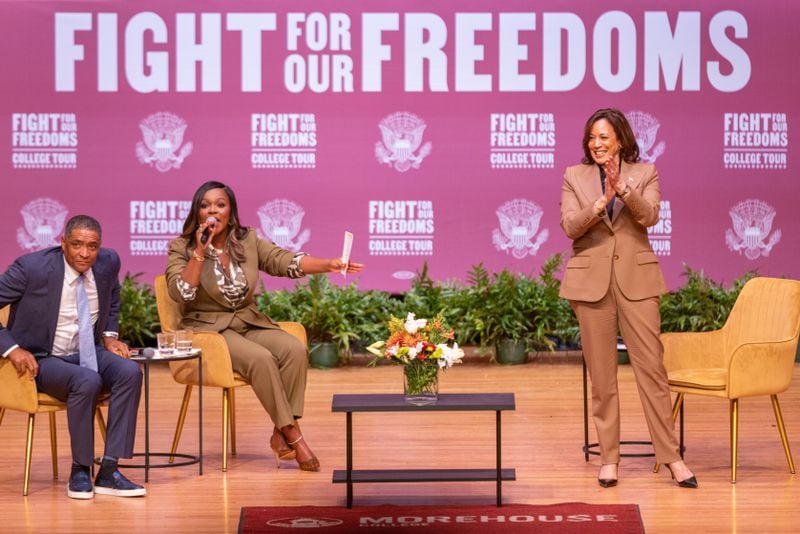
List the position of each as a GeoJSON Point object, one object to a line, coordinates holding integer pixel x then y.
{"type": "Point", "coordinates": [86, 349]}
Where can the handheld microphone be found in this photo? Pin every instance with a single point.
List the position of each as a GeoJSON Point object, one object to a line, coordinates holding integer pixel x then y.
{"type": "Point", "coordinates": [212, 223]}
{"type": "Point", "coordinates": [148, 352]}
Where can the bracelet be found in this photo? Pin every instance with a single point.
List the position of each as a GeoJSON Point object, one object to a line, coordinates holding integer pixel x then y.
{"type": "Point", "coordinates": [198, 258]}
{"type": "Point", "coordinates": [625, 192]}
{"type": "Point", "coordinates": [601, 213]}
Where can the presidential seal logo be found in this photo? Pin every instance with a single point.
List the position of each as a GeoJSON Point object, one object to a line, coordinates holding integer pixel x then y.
{"type": "Point", "coordinates": [162, 133]}
{"type": "Point", "coordinates": [43, 222]}
{"type": "Point", "coordinates": [752, 223]}
{"type": "Point", "coordinates": [280, 223]}
{"type": "Point", "coordinates": [304, 522]}
{"type": "Point", "coordinates": [519, 222]}
{"type": "Point", "coordinates": [645, 127]}
{"type": "Point", "coordinates": [402, 136]}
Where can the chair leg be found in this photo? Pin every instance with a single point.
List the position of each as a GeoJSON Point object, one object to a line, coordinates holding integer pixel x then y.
{"type": "Point", "coordinates": [232, 416]}
{"type": "Point", "coordinates": [734, 438]}
{"type": "Point", "coordinates": [782, 429]}
{"type": "Point", "coordinates": [28, 450]}
{"type": "Point", "coordinates": [101, 422]}
{"type": "Point", "coordinates": [225, 414]}
{"type": "Point", "coordinates": [2, 413]}
{"type": "Point", "coordinates": [187, 394]}
{"type": "Point", "coordinates": [54, 445]}
{"type": "Point", "coordinates": [676, 408]}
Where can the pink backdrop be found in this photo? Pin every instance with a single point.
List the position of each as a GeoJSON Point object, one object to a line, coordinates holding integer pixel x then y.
{"type": "Point", "coordinates": [434, 132]}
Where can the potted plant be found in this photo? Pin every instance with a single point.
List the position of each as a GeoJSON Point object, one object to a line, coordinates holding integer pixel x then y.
{"type": "Point", "coordinates": [327, 312]}
{"type": "Point", "coordinates": [366, 312]}
{"type": "Point", "coordinates": [514, 313]}
{"type": "Point", "coordinates": [496, 315]}
{"type": "Point", "coordinates": [701, 304]}
{"type": "Point", "coordinates": [138, 313]}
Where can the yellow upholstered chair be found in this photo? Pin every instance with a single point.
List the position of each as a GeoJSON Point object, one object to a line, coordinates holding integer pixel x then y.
{"type": "Point", "coordinates": [753, 354]}
{"type": "Point", "coordinates": [19, 393]}
{"type": "Point", "coordinates": [217, 367]}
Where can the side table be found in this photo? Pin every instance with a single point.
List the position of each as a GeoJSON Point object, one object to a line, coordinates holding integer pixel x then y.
{"type": "Point", "coordinates": [589, 448]}
{"type": "Point", "coordinates": [189, 459]}
{"type": "Point", "coordinates": [395, 402]}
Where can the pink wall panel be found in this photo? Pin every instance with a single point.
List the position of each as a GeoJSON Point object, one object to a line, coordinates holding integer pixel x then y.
{"type": "Point", "coordinates": [434, 132]}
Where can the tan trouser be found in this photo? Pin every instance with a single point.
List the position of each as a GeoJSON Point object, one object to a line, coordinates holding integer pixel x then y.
{"type": "Point", "coordinates": [275, 363]}
{"type": "Point", "coordinates": [639, 323]}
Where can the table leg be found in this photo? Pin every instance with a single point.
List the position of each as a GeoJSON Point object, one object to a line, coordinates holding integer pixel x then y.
{"type": "Point", "coordinates": [499, 461]}
{"type": "Point", "coordinates": [681, 449]}
{"type": "Point", "coordinates": [585, 413]}
{"type": "Point", "coordinates": [349, 459]}
{"type": "Point", "coordinates": [146, 421]}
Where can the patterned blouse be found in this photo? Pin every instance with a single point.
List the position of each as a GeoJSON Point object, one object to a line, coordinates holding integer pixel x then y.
{"type": "Point", "coordinates": [233, 283]}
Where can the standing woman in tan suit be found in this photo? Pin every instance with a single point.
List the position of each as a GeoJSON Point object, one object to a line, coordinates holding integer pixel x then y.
{"type": "Point", "coordinates": [613, 281]}
{"type": "Point", "coordinates": [213, 271]}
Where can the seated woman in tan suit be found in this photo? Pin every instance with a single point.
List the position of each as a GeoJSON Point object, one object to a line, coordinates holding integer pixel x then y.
{"type": "Point", "coordinates": [613, 280]}
{"type": "Point", "coordinates": [213, 270]}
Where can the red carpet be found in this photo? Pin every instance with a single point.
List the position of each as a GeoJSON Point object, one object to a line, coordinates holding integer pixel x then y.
{"type": "Point", "coordinates": [563, 518]}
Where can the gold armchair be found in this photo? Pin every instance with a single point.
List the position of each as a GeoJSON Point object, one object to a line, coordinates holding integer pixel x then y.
{"type": "Point", "coordinates": [753, 354]}
{"type": "Point", "coordinates": [217, 367]}
{"type": "Point", "coordinates": [19, 393]}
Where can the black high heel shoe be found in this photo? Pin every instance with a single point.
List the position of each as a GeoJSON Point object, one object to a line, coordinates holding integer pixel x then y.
{"type": "Point", "coordinates": [690, 482]}
{"type": "Point", "coordinates": [607, 482]}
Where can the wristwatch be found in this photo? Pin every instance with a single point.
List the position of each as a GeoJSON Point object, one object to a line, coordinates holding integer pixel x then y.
{"type": "Point", "coordinates": [625, 191]}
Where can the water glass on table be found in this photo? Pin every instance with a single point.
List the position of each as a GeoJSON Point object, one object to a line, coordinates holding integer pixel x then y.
{"type": "Point", "coordinates": [183, 340]}
{"type": "Point", "coordinates": [166, 342]}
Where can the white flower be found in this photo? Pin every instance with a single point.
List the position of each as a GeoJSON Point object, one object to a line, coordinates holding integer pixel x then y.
{"type": "Point", "coordinates": [450, 356]}
{"type": "Point", "coordinates": [413, 351]}
{"type": "Point", "coordinates": [393, 349]}
{"type": "Point", "coordinates": [412, 324]}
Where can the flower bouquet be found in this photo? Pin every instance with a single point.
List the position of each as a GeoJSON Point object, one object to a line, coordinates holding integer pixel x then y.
{"type": "Point", "coordinates": [422, 347]}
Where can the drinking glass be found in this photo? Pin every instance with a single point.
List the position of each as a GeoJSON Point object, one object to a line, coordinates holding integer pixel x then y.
{"type": "Point", "coordinates": [183, 340]}
{"type": "Point", "coordinates": [166, 342]}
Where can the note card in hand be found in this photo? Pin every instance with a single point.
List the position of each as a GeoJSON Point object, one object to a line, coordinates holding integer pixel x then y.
{"type": "Point", "coordinates": [348, 246]}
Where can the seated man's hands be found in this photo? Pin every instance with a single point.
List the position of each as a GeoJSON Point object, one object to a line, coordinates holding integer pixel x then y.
{"type": "Point", "coordinates": [22, 360]}
{"type": "Point", "coordinates": [116, 346]}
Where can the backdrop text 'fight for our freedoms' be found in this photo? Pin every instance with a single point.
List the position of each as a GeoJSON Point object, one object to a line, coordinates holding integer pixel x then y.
{"type": "Point", "coordinates": [470, 52]}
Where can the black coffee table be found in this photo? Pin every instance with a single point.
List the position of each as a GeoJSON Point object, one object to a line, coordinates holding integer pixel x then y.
{"type": "Point", "coordinates": [496, 402]}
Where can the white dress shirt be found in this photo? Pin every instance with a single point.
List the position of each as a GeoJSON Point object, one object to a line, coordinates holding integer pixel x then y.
{"type": "Point", "coordinates": [66, 340]}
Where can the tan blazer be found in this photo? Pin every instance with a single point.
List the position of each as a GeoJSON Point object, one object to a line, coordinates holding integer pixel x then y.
{"type": "Point", "coordinates": [598, 242]}
{"type": "Point", "coordinates": [210, 310]}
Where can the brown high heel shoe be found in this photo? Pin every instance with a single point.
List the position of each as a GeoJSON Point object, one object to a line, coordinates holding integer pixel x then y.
{"type": "Point", "coordinates": [311, 464]}
{"type": "Point", "coordinates": [280, 448]}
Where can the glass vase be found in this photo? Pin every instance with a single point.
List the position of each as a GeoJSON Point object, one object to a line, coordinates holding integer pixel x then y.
{"type": "Point", "coordinates": [421, 382]}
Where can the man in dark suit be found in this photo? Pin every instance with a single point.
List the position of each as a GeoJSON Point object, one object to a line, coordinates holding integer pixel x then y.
{"type": "Point", "coordinates": [64, 302]}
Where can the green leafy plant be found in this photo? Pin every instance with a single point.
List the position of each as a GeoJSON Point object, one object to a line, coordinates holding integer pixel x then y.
{"type": "Point", "coordinates": [343, 315]}
{"type": "Point", "coordinates": [427, 298]}
{"type": "Point", "coordinates": [517, 307]}
{"type": "Point", "coordinates": [138, 314]}
{"type": "Point", "coordinates": [701, 304]}
{"type": "Point", "coordinates": [278, 305]}
{"type": "Point", "coordinates": [555, 314]}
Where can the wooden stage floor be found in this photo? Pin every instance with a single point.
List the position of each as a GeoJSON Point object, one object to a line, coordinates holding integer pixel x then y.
{"type": "Point", "coordinates": [542, 440]}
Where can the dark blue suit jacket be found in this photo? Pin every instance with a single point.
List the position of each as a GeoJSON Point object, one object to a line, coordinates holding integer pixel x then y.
{"type": "Point", "coordinates": [32, 286]}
